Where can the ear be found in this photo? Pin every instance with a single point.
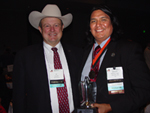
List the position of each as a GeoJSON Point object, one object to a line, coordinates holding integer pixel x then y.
{"type": "Point", "coordinates": [62, 27]}
{"type": "Point", "coordinates": [40, 29]}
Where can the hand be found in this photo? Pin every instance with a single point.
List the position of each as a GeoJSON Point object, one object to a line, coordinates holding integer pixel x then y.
{"type": "Point", "coordinates": [102, 108]}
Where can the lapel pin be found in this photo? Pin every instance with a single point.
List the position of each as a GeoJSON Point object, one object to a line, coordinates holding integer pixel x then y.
{"type": "Point", "coordinates": [113, 54]}
{"type": "Point", "coordinates": [69, 50]}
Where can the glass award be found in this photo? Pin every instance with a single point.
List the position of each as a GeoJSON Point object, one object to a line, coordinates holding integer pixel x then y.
{"type": "Point", "coordinates": [88, 91]}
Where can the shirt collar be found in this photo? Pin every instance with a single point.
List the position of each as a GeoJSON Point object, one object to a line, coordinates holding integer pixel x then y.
{"type": "Point", "coordinates": [47, 46]}
{"type": "Point", "coordinates": [102, 44]}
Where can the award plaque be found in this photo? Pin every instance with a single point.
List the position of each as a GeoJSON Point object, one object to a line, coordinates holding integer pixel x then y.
{"type": "Point", "coordinates": [88, 91]}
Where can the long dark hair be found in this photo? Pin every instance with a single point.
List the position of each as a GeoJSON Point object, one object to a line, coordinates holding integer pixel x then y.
{"type": "Point", "coordinates": [116, 29]}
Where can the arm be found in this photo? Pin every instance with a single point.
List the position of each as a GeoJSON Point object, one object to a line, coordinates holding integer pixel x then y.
{"type": "Point", "coordinates": [18, 85]}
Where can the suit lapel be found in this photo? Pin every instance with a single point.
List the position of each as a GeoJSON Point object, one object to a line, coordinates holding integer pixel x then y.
{"type": "Point", "coordinates": [41, 69]}
{"type": "Point", "coordinates": [67, 52]}
{"type": "Point", "coordinates": [109, 56]}
{"type": "Point", "coordinates": [40, 58]}
{"type": "Point", "coordinates": [86, 53]}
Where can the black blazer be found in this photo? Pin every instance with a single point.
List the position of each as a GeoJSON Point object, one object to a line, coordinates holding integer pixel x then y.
{"type": "Point", "coordinates": [129, 56]}
{"type": "Point", "coordinates": [30, 82]}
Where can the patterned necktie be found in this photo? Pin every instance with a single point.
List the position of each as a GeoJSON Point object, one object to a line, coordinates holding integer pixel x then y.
{"type": "Point", "coordinates": [61, 91]}
{"type": "Point", "coordinates": [96, 68]}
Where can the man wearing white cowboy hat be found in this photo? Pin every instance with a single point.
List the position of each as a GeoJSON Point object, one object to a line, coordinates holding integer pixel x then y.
{"type": "Point", "coordinates": [42, 70]}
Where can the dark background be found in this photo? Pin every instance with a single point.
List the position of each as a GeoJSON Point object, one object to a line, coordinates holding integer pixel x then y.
{"type": "Point", "coordinates": [17, 33]}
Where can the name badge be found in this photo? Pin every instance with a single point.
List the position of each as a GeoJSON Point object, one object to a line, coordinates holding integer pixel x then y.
{"type": "Point", "coordinates": [115, 80]}
{"type": "Point", "coordinates": [56, 78]}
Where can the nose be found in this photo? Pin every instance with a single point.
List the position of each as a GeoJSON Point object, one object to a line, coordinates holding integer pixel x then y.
{"type": "Point", "coordinates": [98, 24]}
{"type": "Point", "coordinates": [52, 28]}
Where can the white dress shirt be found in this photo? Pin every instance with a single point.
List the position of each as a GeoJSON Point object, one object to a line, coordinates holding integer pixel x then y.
{"type": "Point", "coordinates": [87, 66]}
{"type": "Point", "coordinates": [50, 66]}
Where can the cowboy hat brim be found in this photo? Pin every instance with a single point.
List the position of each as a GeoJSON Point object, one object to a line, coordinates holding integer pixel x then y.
{"type": "Point", "coordinates": [35, 18]}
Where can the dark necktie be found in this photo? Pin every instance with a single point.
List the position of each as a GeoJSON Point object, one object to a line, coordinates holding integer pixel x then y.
{"type": "Point", "coordinates": [61, 91]}
{"type": "Point", "coordinates": [96, 68]}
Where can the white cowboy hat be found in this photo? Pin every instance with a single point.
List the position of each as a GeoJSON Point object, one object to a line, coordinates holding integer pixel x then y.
{"type": "Point", "coordinates": [50, 10]}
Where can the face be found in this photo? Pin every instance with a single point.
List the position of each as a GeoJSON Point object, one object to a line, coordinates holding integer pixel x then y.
{"type": "Point", "coordinates": [100, 25]}
{"type": "Point", "coordinates": [51, 30]}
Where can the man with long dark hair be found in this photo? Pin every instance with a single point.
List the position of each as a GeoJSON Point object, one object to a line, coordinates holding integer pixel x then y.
{"type": "Point", "coordinates": [117, 66]}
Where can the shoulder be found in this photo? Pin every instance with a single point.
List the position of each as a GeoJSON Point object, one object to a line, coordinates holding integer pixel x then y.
{"type": "Point", "coordinates": [72, 51]}
{"type": "Point", "coordinates": [29, 50]}
{"type": "Point", "coordinates": [71, 48]}
{"type": "Point", "coordinates": [127, 45]}
{"type": "Point", "coordinates": [124, 42]}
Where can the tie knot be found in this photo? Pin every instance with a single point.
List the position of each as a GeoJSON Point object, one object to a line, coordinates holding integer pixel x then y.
{"type": "Point", "coordinates": [54, 49]}
{"type": "Point", "coordinates": [97, 49]}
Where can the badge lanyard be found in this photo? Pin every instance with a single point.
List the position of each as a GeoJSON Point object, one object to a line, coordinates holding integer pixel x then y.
{"type": "Point", "coordinates": [100, 53]}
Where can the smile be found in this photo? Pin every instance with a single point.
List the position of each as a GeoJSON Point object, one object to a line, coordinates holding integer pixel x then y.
{"type": "Point", "coordinates": [52, 34]}
{"type": "Point", "coordinates": [99, 30]}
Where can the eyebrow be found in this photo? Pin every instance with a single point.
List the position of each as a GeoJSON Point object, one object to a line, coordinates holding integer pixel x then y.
{"type": "Point", "coordinates": [45, 24]}
{"type": "Point", "coordinates": [104, 17]}
{"type": "Point", "coordinates": [100, 17]}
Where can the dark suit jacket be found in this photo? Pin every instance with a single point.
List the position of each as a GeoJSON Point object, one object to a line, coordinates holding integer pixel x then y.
{"type": "Point", "coordinates": [136, 77]}
{"type": "Point", "coordinates": [30, 82]}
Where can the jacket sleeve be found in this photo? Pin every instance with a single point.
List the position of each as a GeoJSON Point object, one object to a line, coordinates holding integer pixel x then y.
{"type": "Point", "coordinates": [19, 85]}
